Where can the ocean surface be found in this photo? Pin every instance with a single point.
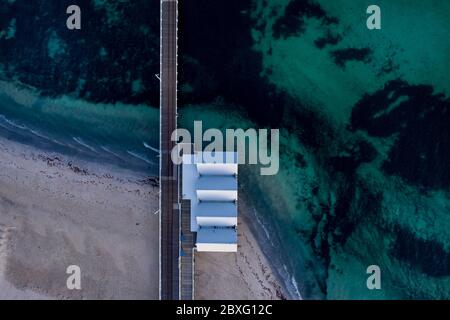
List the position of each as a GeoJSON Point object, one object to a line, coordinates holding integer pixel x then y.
{"type": "Point", "coordinates": [119, 134]}
{"type": "Point", "coordinates": [363, 118]}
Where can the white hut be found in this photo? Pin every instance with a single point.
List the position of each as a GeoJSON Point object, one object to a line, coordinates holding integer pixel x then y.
{"type": "Point", "coordinates": [209, 180]}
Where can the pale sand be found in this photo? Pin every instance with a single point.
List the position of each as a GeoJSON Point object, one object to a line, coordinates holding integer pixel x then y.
{"type": "Point", "coordinates": [55, 213]}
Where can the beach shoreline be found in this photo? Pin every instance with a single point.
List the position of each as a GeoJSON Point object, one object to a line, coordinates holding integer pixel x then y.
{"type": "Point", "coordinates": [57, 211]}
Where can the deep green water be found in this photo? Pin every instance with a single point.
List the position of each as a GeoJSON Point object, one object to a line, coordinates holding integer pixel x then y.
{"type": "Point", "coordinates": [87, 93]}
{"type": "Point", "coordinates": [363, 116]}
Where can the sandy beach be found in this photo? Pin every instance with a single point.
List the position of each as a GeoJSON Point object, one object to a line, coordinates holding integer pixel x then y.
{"type": "Point", "coordinates": [56, 212]}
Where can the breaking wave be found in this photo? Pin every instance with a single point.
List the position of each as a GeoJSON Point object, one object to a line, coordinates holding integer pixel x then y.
{"type": "Point", "coordinates": [140, 157]}
{"type": "Point", "coordinates": [84, 144]}
{"type": "Point", "coordinates": [150, 147]}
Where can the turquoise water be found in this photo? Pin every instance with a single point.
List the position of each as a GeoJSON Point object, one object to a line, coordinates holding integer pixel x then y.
{"type": "Point", "coordinates": [386, 221]}
{"type": "Point", "coordinates": [362, 116]}
{"type": "Point", "coordinates": [119, 134]}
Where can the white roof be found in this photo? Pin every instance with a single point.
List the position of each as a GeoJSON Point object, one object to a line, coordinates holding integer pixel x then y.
{"type": "Point", "coordinates": [203, 222]}
{"type": "Point", "coordinates": [220, 214]}
{"type": "Point", "coordinates": [216, 235]}
{"type": "Point", "coordinates": [221, 169]}
{"type": "Point", "coordinates": [217, 183]}
{"type": "Point", "coordinates": [210, 182]}
{"type": "Point", "coordinates": [216, 209]}
{"type": "Point", "coordinates": [216, 247]}
{"type": "Point", "coordinates": [217, 195]}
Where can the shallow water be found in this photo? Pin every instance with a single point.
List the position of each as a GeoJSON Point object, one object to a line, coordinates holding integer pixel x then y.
{"type": "Point", "coordinates": [117, 134]}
